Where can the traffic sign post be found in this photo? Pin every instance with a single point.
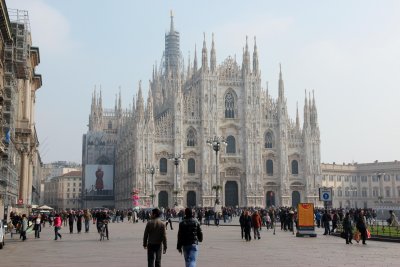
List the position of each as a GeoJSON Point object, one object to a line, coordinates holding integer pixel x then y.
{"type": "Point", "coordinates": [325, 195]}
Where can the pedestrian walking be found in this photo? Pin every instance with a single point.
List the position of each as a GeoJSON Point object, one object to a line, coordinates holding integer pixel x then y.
{"type": "Point", "coordinates": [247, 226]}
{"type": "Point", "coordinates": [79, 217]}
{"type": "Point", "coordinates": [24, 227]}
{"type": "Point", "coordinates": [155, 239]}
{"type": "Point", "coordinates": [168, 218]}
{"type": "Point", "coordinates": [362, 226]}
{"type": "Point", "coordinates": [189, 236]}
{"type": "Point", "coordinates": [241, 221]}
{"type": "Point", "coordinates": [38, 226]}
{"type": "Point", "coordinates": [256, 222]}
{"type": "Point", "coordinates": [71, 219]}
{"type": "Point", "coordinates": [347, 228]}
{"type": "Point", "coordinates": [87, 217]}
{"type": "Point", "coordinates": [57, 226]}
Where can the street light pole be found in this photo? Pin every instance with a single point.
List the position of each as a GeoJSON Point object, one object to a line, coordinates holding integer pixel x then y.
{"type": "Point", "coordinates": [152, 170]}
{"type": "Point", "coordinates": [216, 143]}
{"type": "Point", "coordinates": [379, 175]}
{"type": "Point", "coordinates": [176, 159]}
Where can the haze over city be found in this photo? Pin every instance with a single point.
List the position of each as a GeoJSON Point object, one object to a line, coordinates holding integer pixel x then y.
{"type": "Point", "coordinates": [347, 52]}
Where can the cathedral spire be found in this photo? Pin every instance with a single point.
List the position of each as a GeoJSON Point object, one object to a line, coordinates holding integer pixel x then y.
{"type": "Point", "coordinates": [189, 72]}
{"type": "Point", "coordinates": [195, 59]}
{"type": "Point", "coordinates": [314, 113]}
{"type": "Point", "coordinates": [281, 85]}
{"type": "Point", "coordinates": [213, 57]}
{"type": "Point", "coordinates": [255, 58]}
{"type": "Point", "coordinates": [172, 28]}
{"type": "Point", "coordinates": [172, 53]}
{"type": "Point", "coordinates": [149, 107]}
{"type": "Point", "coordinates": [119, 100]}
{"type": "Point", "coordinates": [94, 99]}
{"type": "Point", "coordinates": [204, 60]}
{"type": "Point", "coordinates": [297, 116]}
{"type": "Point", "coordinates": [139, 103]}
{"type": "Point", "coordinates": [306, 112]}
{"type": "Point", "coordinates": [246, 58]}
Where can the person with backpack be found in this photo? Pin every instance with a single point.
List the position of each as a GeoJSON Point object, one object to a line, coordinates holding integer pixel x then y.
{"type": "Point", "coordinates": [189, 236]}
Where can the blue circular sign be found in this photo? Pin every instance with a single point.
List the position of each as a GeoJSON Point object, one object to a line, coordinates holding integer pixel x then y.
{"type": "Point", "coordinates": [325, 196]}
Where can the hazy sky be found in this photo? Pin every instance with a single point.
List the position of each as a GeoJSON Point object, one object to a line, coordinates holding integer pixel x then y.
{"type": "Point", "coordinates": [348, 52]}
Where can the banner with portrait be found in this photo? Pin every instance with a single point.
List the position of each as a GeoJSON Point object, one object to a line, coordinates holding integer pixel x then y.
{"type": "Point", "coordinates": [99, 178]}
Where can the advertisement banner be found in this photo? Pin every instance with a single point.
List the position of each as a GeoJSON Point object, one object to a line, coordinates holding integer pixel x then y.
{"type": "Point", "coordinates": [99, 178]}
{"type": "Point", "coordinates": [306, 215]}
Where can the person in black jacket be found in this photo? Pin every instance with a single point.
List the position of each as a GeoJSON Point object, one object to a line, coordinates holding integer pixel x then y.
{"type": "Point", "coordinates": [241, 221]}
{"type": "Point", "coordinates": [348, 228]}
{"type": "Point", "coordinates": [189, 236]}
{"type": "Point", "coordinates": [247, 225]}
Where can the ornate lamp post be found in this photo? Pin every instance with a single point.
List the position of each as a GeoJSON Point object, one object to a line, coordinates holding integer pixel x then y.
{"type": "Point", "coordinates": [176, 159]}
{"type": "Point", "coordinates": [152, 170]}
{"type": "Point", "coordinates": [216, 143]}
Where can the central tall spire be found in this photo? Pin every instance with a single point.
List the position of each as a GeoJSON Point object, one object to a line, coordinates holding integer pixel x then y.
{"type": "Point", "coordinates": [172, 51]}
{"type": "Point", "coordinates": [171, 29]}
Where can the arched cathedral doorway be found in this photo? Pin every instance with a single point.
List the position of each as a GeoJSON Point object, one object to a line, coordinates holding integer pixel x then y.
{"type": "Point", "coordinates": [270, 197]}
{"type": "Point", "coordinates": [295, 198]}
{"type": "Point", "coordinates": [163, 199]}
{"type": "Point", "coordinates": [191, 199]}
{"type": "Point", "coordinates": [231, 194]}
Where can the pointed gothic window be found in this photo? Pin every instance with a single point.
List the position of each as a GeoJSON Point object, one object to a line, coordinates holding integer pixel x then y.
{"type": "Point", "coordinates": [295, 167]}
{"type": "Point", "coordinates": [268, 140]}
{"type": "Point", "coordinates": [270, 167]}
{"type": "Point", "coordinates": [231, 145]}
{"type": "Point", "coordinates": [229, 105]}
{"type": "Point", "coordinates": [163, 165]}
{"type": "Point", "coordinates": [191, 166]}
{"type": "Point", "coordinates": [109, 125]}
{"type": "Point", "coordinates": [191, 138]}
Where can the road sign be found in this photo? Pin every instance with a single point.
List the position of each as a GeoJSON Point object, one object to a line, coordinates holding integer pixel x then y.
{"type": "Point", "coordinates": [325, 194]}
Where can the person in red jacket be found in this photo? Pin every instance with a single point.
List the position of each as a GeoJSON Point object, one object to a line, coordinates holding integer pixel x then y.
{"type": "Point", "coordinates": [57, 226]}
{"type": "Point", "coordinates": [256, 221]}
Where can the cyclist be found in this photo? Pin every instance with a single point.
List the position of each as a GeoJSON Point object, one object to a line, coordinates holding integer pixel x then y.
{"type": "Point", "coordinates": [103, 218]}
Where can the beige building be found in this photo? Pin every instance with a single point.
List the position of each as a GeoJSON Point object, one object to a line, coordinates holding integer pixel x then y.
{"type": "Point", "coordinates": [364, 185]}
{"type": "Point", "coordinates": [54, 169]}
{"type": "Point", "coordinates": [64, 192]}
{"type": "Point", "coordinates": [20, 162]}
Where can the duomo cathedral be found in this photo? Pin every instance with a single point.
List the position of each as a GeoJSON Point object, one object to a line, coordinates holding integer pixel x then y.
{"type": "Point", "coordinates": [267, 157]}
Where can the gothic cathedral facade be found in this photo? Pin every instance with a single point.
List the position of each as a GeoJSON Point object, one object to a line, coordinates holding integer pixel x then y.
{"type": "Point", "coordinates": [268, 159]}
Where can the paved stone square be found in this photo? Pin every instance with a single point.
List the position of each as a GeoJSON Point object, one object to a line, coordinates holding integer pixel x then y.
{"type": "Point", "coordinates": [222, 246]}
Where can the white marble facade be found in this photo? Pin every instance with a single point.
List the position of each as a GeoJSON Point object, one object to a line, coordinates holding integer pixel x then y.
{"type": "Point", "coordinates": [269, 159]}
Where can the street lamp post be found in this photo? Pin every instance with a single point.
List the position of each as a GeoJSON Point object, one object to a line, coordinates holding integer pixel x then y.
{"type": "Point", "coordinates": [176, 159]}
{"type": "Point", "coordinates": [216, 143]}
{"type": "Point", "coordinates": [380, 196]}
{"type": "Point", "coordinates": [152, 170]}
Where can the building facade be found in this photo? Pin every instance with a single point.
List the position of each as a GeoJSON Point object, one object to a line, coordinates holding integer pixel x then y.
{"type": "Point", "coordinates": [65, 191]}
{"type": "Point", "coordinates": [366, 185]}
{"type": "Point", "coordinates": [20, 160]}
{"type": "Point", "coordinates": [269, 158]}
{"type": "Point", "coordinates": [54, 169]}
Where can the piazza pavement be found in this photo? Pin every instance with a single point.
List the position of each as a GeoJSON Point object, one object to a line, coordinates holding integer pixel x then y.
{"type": "Point", "coordinates": [222, 246]}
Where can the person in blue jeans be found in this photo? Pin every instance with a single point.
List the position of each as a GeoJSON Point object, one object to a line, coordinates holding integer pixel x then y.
{"type": "Point", "coordinates": [189, 236]}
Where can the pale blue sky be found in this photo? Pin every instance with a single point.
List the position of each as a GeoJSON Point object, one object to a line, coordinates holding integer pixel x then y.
{"type": "Point", "coordinates": [347, 51]}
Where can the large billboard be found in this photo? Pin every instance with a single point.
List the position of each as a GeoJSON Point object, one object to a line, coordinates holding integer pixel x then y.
{"type": "Point", "coordinates": [99, 178]}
